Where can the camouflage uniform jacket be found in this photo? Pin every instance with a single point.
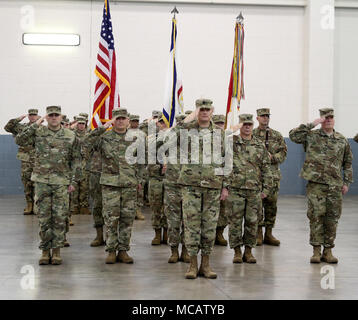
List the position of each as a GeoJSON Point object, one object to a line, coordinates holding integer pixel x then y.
{"type": "Point", "coordinates": [276, 147]}
{"type": "Point", "coordinates": [92, 153]}
{"type": "Point", "coordinates": [57, 154]}
{"type": "Point", "coordinates": [356, 138]}
{"type": "Point", "coordinates": [326, 156]}
{"type": "Point", "coordinates": [251, 166]}
{"type": "Point", "coordinates": [116, 171]}
{"type": "Point", "coordinates": [173, 169]}
{"type": "Point", "coordinates": [25, 153]}
{"type": "Point", "coordinates": [81, 135]}
{"type": "Point", "coordinates": [155, 170]}
{"type": "Point", "coordinates": [201, 174]}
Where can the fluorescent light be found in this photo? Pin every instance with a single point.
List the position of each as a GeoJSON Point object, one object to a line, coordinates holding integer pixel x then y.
{"type": "Point", "coordinates": [51, 39]}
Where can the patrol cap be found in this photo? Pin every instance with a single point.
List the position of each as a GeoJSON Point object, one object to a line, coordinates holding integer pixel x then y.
{"type": "Point", "coordinates": [156, 113]}
{"type": "Point", "coordinates": [180, 117]}
{"type": "Point", "coordinates": [120, 112]}
{"type": "Point", "coordinates": [134, 117]}
{"type": "Point", "coordinates": [53, 109]}
{"type": "Point", "coordinates": [160, 116]}
{"type": "Point", "coordinates": [204, 103]}
{"type": "Point", "coordinates": [84, 115]}
{"type": "Point", "coordinates": [75, 118]}
{"type": "Point", "coordinates": [188, 112]}
{"type": "Point", "coordinates": [326, 112]}
{"type": "Point", "coordinates": [263, 112]}
{"type": "Point", "coordinates": [33, 111]}
{"type": "Point", "coordinates": [81, 120]}
{"type": "Point", "coordinates": [246, 118]}
{"type": "Point", "coordinates": [65, 119]}
{"type": "Point", "coordinates": [217, 118]}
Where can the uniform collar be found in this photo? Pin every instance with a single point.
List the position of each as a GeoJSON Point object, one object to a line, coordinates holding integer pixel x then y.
{"type": "Point", "coordinates": [323, 133]}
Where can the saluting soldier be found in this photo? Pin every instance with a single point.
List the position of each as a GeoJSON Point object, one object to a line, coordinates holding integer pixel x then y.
{"type": "Point", "coordinates": [249, 182]}
{"type": "Point", "coordinates": [328, 153]}
{"type": "Point", "coordinates": [119, 180]}
{"type": "Point", "coordinates": [26, 155]}
{"type": "Point", "coordinates": [57, 169]}
{"type": "Point", "coordinates": [277, 149]}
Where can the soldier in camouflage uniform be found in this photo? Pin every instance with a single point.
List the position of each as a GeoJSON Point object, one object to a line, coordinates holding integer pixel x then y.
{"type": "Point", "coordinates": [56, 171]}
{"type": "Point", "coordinates": [219, 120]}
{"type": "Point", "coordinates": [119, 181]}
{"type": "Point", "coordinates": [356, 138]}
{"type": "Point", "coordinates": [173, 202]}
{"type": "Point", "coordinates": [156, 190]}
{"type": "Point", "coordinates": [249, 182]}
{"type": "Point", "coordinates": [328, 153]}
{"type": "Point", "coordinates": [134, 125]}
{"type": "Point", "coordinates": [26, 155]}
{"type": "Point", "coordinates": [79, 198]}
{"type": "Point", "coordinates": [65, 122]}
{"type": "Point", "coordinates": [276, 146]}
{"type": "Point", "coordinates": [201, 190]}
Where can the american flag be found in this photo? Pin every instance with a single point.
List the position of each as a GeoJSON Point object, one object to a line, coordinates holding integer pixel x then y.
{"type": "Point", "coordinates": [106, 96]}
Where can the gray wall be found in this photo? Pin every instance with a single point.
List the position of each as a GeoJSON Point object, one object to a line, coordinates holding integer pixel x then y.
{"type": "Point", "coordinates": [291, 183]}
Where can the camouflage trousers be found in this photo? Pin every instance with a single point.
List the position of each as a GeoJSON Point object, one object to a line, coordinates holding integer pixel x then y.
{"type": "Point", "coordinates": [79, 198]}
{"type": "Point", "coordinates": [324, 211]}
{"type": "Point", "coordinates": [174, 214]}
{"type": "Point", "coordinates": [223, 215]}
{"type": "Point", "coordinates": [95, 192]}
{"type": "Point", "coordinates": [119, 212]}
{"type": "Point", "coordinates": [26, 171]}
{"type": "Point", "coordinates": [52, 203]}
{"type": "Point", "coordinates": [155, 195]}
{"type": "Point", "coordinates": [267, 214]}
{"type": "Point", "coordinates": [244, 207]}
{"type": "Point", "coordinates": [201, 208]}
{"type": "Point", "coordinates": [140, 197]}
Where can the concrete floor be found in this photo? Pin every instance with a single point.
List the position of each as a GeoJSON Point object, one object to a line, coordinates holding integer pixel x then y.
{"type": "Point", "coordinates": [281, 272]}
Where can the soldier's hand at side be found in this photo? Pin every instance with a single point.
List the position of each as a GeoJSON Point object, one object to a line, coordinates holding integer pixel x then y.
{"type": "Point", "coordinates": [263, 196]}
{"type": "Point", "coordinates": [270, 155]}
{"type": "Point", "coordinates": [164, 169]}
{"type": "Point", "coordinates": [344, 189]}
{"type": "Point", "coordinates": [40, 120]}
{"type": "Point", "coordinates": [318, 121]}
{"type": "Point", "coordinates": [139, 187]}
{"type": "Point", "coordinates": [109, 123]}
{"type": "Point", "coordinates": [224, 194]}
{"type": "Point", "coordinates": [71, 188]}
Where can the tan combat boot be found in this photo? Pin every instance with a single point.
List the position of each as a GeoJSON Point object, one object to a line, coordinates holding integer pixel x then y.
{"type": "Point", "coordinates": [237, 255]}
{"type": "Point", "coordinates": [123, 257]}
{"type": "Point", "coordinates": [219, 239]}
{"type": "Point", "coordinates": [56, 258]}
{"type": "Point", "coordinates": [45, 258]}
{"type": "Point", "coordinates": [98, 241]}
{"type": "Point", "coordinates": [139, 215]}
{"type": "Point", "coordinates": [165, 236]}
{"type": "Point", "coordinates": [85, 211]}
{"type": "Point", "coordinates": [248, 257]}
{"type": "Point", "coordinates": [316, 258]}
{"type": "Point", "coordinates": [66, 243]}
{"type": "Point", "coordinates": [157, 237]}
{"type": "Point", "coordinates": [111, 257]}
{"type": "Point", "coordinates": [28, 209]}
{"type": "Point", "coordinates": [328, 257]}
{"type": "Point", "coordinates": [205, 269]}
{"type": "Point", "coordinates": [184, 256]}
{"type": "Point", "coordinates": [259, 238]}
{"type": "Point", "coordinates": [175, 255]}
{"type": "Point", "coordinates": [270, 239]}
{"type": "Point", "coordinates": [192, 271]}
{"type": "Point", "coordinates": [71, 223]}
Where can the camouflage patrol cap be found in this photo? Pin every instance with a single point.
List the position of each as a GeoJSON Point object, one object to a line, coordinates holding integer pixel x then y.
{"type": "Point", "coordinates": [65, 119]}
{"type": "Point", "coordinates": [160, 116]}
{"type": "Point", "coordinates": [120, 112]}
{"type": "Point", "coordinates": [326, 112]}
{"type": "Point", "coordinates": [217, 118]}
{"type": "Point", "coordinates": [134, 117]}
{"type": "Point", "coordinates": [84, 115]}
{"type": "Point", "coordinates": [180, 117]}
{"type": "Point", "coordinates": [246, 118]}
{"type": "Point", "coordinates": [81, 120]}
{"type": "Point", "coordinates": [156, 113]}
{"type": "Point", "coordinates": [263, 111]}
{"type": "Point", "coordinates": [188, 112]}
{"type": "Point", "coordinates": [33, 111]}
{"type": "Point", "coordinates": [53, 109]}
{"type": "Point", "coordinates": [204, 103]}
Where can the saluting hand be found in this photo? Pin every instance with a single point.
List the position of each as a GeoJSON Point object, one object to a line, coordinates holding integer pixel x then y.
{"type": "Point", "coordinates": [73, 125]}
{"type": "Point", "coordinates": [42, 119]}
{"type": "Point", "coordinates": [109, 123]}
{"type": "Point", "coordinates": [22, 117]}
{"type": "Point", "coordinates": [318, 121]}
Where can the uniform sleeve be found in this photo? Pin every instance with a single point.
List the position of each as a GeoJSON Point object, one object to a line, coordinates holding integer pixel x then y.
{"type": "Point", "coordinates": [281, 153]}
{"type": "Point", "coordinates": [76, 160]}
{"type": "Point", "coordinates": [14, 126]}
{"type": "Point", "coordinates": [27, 136]}
{"type": "Point", "coordinates": [347, 165]}
{"type": "Point", "coordinates": [356, 138]}
{"type": "Point", "coordinates": [267, 180]}
{"type": "Point", "coordinates": [299, 135]}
